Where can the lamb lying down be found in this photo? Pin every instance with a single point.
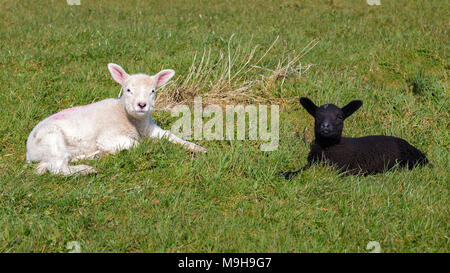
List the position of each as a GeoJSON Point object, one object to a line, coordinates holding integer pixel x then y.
{"type": "Point", "coordinates": [363, 155]}
{"type": "Point", "coordinates": [104, 127]}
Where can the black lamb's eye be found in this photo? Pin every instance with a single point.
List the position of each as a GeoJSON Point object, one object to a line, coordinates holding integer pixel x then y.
{"type": "Point", "coordinates": [153, 90]}
{"type": "Point", "coordinates": [128, 90]}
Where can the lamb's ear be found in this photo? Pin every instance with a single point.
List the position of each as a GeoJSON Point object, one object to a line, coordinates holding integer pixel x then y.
{"type": "Point", "coordinates": [309, 106]}
{"type": "Point", "coordinates": [350, 108]}
{"type": "Point", "coordinates": [163, 77]}
{"type": "Point", "coordinates": [117, 72]}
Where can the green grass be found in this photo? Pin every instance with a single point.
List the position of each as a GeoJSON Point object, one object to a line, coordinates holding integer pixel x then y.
{"type": "Point", "coordinates": [159, 198]}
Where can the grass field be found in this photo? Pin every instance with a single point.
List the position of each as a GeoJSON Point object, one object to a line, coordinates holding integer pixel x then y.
{"type": "Point", "coordinates": [158, 197]}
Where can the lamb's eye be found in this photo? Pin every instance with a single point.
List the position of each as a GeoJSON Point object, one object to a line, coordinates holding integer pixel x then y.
{"type": "Point", "coordinates": [153, 90]}
{"type": "Point", "coordinates": [128, 90]}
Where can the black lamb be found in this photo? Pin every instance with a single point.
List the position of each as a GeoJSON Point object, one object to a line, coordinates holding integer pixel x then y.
{"type": "Point", "coordinates": [362, 155]}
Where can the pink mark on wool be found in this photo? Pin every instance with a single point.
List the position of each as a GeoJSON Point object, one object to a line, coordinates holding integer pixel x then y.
{"type": "Point", "coordinates": [60, 115]}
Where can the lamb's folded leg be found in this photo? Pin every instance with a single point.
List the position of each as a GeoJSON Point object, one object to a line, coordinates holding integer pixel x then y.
{"type": "Point", "coordinates": [49, 148]}
{"type": "Point", "coordinates": [112, 144]}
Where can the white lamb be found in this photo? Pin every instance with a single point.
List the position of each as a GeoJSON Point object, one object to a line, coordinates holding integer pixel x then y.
{"type": "Point", "coordinates": [104, 127]}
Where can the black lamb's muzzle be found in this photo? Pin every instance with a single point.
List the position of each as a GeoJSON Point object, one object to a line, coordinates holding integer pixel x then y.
{"type": "Point", "coordinates": [325, 129]}
{"type": "Point", "coordinates": [328, 133]}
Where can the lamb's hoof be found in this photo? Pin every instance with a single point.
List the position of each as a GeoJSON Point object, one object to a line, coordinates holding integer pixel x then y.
{"type": "Point", "coordinates": [82, 170]}
{"type": "Point", "coordinates": [286, 175]}
{"type": "Point", "coordinates": [41, 169]}
{"type": "Point", "coordinates": [198, 149]}
{"type": "Point", "coordinates": [91, 170]}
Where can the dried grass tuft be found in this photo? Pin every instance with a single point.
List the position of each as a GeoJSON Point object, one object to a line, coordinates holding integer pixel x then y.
{"type": "Point", "coordinates": [233, 78]}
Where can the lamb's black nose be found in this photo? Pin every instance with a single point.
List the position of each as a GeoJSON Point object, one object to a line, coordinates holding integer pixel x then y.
{"type": "Point", "coordinates": [325, 125]}
{"type": "Point", "coordinates": [142, 105]}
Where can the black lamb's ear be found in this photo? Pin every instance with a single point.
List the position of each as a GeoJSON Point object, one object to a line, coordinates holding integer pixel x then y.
{"type": "Point", "coordinates": [309, 106]}
{"type": "Point", "coordinates": [350, 108]}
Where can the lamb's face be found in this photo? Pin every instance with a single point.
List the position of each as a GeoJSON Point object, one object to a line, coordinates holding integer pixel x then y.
{"type": "Point", "coordinates": [139, 93]}
{"type": "Point", "coordinates": [329, 121]}
{"type": "Point", "coordinates": [139, 90]}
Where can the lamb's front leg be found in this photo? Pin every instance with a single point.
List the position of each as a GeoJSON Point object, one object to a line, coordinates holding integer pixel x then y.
{"type": "Point", "coordinates": [111, 144]}
{"type": "Point", "coordinates": [156, 132]}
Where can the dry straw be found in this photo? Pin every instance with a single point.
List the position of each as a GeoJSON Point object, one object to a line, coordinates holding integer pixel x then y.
{"type": "Point", "coordinates": [235, 78]}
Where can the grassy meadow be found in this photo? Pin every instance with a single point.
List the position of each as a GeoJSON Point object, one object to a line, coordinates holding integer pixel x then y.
{"type": "Point", "coordinates": [158, 197]}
